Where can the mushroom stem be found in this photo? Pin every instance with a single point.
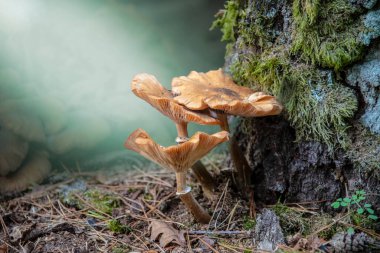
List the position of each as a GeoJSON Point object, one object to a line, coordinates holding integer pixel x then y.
{"type": "Point", "coordinates": [197, 210]}
{"type": "Point", "coordinates": [184, 193]}
{"type": "Point", "coordinates": [200, 172]}
{"type": "Point", "coordinates": [182, 131]}
{"type": "Point", "coordinates": [243, 170]}
{"type": "Point", "coordinates": [242, 177]}
{"type": "Point", "coordinates": [181, 182]}
{"type": "Point", "coordinates": [207, 182]}
{"type": "Point", "coordinates": [222, 117]}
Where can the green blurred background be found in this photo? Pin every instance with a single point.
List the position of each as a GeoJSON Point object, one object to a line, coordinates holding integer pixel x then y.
{"type": "Point", "coordinates": [66, 67]}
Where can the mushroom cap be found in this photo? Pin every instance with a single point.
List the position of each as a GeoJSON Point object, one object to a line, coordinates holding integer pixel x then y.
{"type": "Point", "coordinates": [13, 151]}
{"type": "Point", "coordinates": [147, 87]}
{"type": "Point", "coordinates": [178, 157]}
{"type": "Point", "coordinates": [216, 90]}
{"type": "Point", "coordinates": [33, 171]}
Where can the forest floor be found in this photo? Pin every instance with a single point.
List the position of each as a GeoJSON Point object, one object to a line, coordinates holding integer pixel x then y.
{"type": "Point", "coordinates": [138, 211]}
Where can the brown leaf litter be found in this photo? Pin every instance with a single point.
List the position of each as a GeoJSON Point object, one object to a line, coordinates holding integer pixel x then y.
{"type": "Point", "coordinates": [135, 211]}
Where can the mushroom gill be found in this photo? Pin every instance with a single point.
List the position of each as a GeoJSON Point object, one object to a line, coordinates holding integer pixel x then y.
{"type": "Point", "coordinates": [178, 158]}
{"type": "Point", "coordinates": [148, 88]}
{"type": "Point", "coordinates": [216, 90]}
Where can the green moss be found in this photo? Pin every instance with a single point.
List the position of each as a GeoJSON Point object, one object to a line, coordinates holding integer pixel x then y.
{"type": "Point", "coordinates": [70, 199]}
{"type": "Point", "coordinates": [103, 202]}
{"type": "Point", "coordinates": [248, 223]}
{"type": "Point", "coordinates": [227, 20]}
{"type": "Point", "coordinates": [116, 226]}
{"type": "Point", "coordinates": [120, 249]}
{"type": "Point", "coordinates": [364, 150]}
{"type": "Point", "coordinates": [148, 196]}
{"type": "Point", "coordinates": [327, 32]}
{"type": "Point", "coordinates": [293, 220]}
{"type": "Point", "coordinates": [315, 105]}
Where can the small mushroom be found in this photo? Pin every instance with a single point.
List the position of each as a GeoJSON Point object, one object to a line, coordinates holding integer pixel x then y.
{"type": "Point", "coordinates": [33, 170]}
{"type": "Point", "coordinates": [13, 151]}
{"type": "Point", "coordinates": [178, 158]}
{"type": "Point", "coordinates": [148, 88]}
{"type": "Point", "coordinates": [217, 92]}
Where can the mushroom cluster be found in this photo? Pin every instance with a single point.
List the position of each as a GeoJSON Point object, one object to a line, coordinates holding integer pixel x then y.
{"type": "Point", "coordinates": [203, 98]}
{"type": "Point", "coordinates": [216, 92]}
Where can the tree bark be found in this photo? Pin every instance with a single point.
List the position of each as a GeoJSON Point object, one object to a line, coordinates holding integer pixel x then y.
{"type": "Point", "coordinates": [297, 162]}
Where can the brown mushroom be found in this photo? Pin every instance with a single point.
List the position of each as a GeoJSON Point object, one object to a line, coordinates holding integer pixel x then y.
{"type": "Point", "coordinates": [33, 170]}
{"type": "Point", "coordinates": [217, 92]}
{"type": "Point", "coordinates": [178, 158]}
{"type": "Point", "coordinates": [13, 150]}
{"type": "Point", "coordinates": [149, 89]}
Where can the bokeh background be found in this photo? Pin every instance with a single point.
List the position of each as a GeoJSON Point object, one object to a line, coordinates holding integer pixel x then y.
{"type": "Point", "coordinates": [66, 67]}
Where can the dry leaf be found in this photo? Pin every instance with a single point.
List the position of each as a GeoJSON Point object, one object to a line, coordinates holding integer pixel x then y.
{"type": "Point", "coordinates": [310, 244]}
{"type": "Point", "coordinates": [3, 248]}
{"type": "Point", "coordinates": [167, 232]}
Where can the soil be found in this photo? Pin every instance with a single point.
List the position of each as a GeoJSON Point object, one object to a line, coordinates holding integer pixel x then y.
{"type": "Point", "coordinates": [113, 211]}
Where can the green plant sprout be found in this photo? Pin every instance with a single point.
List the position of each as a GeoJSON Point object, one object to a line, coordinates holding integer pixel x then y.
{"type": "Point", "coordinates": [112, 224]}
{"type": "Point", "coordinates": [248, 223]}
{"type": "Point", "coordinates": [356, 204]}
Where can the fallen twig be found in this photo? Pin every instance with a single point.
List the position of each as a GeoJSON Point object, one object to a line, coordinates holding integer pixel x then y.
{"type": "Point", "coordinates": [225, 233]}
{"type": "Point", "coordinates": [208, 245]}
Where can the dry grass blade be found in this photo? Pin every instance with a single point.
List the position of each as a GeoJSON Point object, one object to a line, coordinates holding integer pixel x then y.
{"type": "Point", "coordinates": [208, 245]}
{"type": "Point", "coordinates": [5, 229]}
{"type": "Point", "coordinates": [153, 177]}
{"type": "Point", "coordinates": [218, 233]}
{"type": "Point", "coordinates": [328, 226]}
{"type": "Point", "coordinates": [368, 231]}
{"type": "Point", "coordinates": [222, 196]}
{"type": "Point", "coordinates": [229, 247]}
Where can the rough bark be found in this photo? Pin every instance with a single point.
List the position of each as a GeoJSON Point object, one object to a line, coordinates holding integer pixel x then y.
{"type": "Point", "coordinates": [294, 162]}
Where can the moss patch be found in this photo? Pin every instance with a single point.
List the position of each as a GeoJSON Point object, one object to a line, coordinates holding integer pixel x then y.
{"type": "Point", "coordinates": [265, 58]}
{"type": "Point", "coordinates": [248, 223]}
{"type": "Point", "coordinates": [327, 32]}
{"type": "Point", "coordinates": [364, 150]}
{"type": "Point", "coordinates": [227, 20]}
{"type": "Point", "coordinates": [295, 220]}
{"type": "Point", "coordinates": [103, 202]}
{"type": "Point", "coordinates": [116, 226]}
{"type": "Point", "coordinates": [316, 105]}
